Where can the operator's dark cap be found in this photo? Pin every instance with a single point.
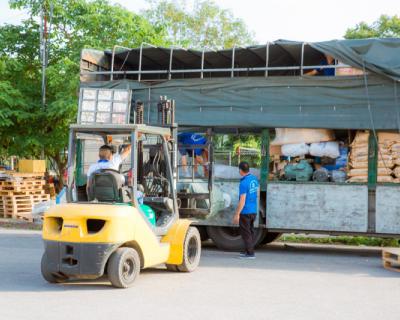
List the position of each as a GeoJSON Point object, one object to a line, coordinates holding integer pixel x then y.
{"type": "Point", "coordinates": [244, 166]}
{"type": "Point", "coordinates": [106, 147]}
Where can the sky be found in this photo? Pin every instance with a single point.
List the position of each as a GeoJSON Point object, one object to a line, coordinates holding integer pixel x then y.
{"type": "Point", "coordinates": [306, 20]}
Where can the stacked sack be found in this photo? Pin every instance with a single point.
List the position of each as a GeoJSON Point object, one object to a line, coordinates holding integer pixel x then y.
{"type": "Point", "coordinates": [388, 157]}
{"type": "Point", "coordinates": [359, 158]}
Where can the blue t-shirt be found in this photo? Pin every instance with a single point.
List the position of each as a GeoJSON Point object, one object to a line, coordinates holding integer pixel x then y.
{"type": "Point", "coordinates": [191, 138]}
{"type": "Point", "coordinates": [249, 186]}
{"type": "Point", "coordinates": [326, 71]}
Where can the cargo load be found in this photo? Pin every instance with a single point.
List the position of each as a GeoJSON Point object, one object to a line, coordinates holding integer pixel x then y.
{"type": "Point", "coordinates": [294, 136]}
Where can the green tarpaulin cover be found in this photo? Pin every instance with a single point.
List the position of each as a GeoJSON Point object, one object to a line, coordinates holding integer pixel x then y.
{"type": "Point", "coordinates": [355, 102]}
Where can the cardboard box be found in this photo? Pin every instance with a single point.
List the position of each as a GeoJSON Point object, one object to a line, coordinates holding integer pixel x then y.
{"type": "Point", "coordinates": [31, 166]}
{"type": "Point", "coordinates": [275, 150]}
{"type": "Point", "coordinates": [348, 71]}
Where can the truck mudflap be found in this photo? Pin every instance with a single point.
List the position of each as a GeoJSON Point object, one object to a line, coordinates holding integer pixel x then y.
{"type": "Point", "coordinates": [80, 260]}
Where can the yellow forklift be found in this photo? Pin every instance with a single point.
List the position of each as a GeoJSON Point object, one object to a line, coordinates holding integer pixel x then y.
{"type": "Point", "coordinates": [117, 222]}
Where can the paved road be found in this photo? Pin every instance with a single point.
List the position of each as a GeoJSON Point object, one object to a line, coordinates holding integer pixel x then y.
{"type": "Point", "coordinates": [285, 282]}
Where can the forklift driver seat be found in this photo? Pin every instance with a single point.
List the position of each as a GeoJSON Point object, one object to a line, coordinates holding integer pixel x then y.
{"type": "Point", "coordinates": [107, 186]}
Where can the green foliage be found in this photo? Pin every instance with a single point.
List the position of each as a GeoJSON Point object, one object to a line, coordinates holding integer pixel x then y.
{"type": "Point", "coordinates": [230, 143]}
{"type": "Point", "coordinates": [345, 240]}
{"type": "Point", "coordinates": [25, 127]}
{"type": "Point", "coordinates": [205, 25]}
{"type": "Point", "coordinates": [385, 27]}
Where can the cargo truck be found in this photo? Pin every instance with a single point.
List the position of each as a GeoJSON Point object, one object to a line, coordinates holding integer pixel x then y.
{"type": "Point", "coordinates": [238, 95]}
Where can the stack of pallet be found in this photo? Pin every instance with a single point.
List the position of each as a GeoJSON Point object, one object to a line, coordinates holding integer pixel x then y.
{"type": "Point", "coordinates": [391, 259]}
{"type": "Point", "coordinates": [19, 192]}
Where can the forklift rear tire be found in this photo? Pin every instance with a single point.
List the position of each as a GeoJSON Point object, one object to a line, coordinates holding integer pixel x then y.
{"type": "Point", "coordinates": [191, 252]}
{"type": "Point", "coordinates": [123, 267]}
{"type": "Point", "coordinates": [229, 238]}
{"type": "Point", "coordinates": [47, 275]}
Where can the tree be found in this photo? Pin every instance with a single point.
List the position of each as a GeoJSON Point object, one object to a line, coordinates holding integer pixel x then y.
{"type": "Point", "coordinates": [25, 127]}
{"type": "Point", "coordinates": [385, 27]}
{"type": "Point", "coordinates": [206, 25]}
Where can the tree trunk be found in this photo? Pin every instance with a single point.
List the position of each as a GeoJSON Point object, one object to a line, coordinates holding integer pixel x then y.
{"type": "Point", "coordinates": [61, 163]}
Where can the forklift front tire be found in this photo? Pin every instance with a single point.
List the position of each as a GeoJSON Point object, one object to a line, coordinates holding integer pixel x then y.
{"type": "Point", "coordinates": [191, 251]}
{"type": "Point", "coordinates": [123, 267]}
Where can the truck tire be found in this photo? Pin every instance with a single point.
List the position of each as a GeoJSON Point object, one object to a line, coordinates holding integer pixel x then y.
{"type": "Point", "coordinates": [270, 237]}
{"type": "Point", "coordinates": [123, 267]}
{"type": "Point", "coordinates": [47, 275]}
{"type": "Point", "coordinates": [228, 238]}
{"type": "Point", "coordinates": [203, 233]}
{"type": "Point", "coordinates": [191, 252]}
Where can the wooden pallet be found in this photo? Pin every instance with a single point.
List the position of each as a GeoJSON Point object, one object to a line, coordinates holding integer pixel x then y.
{"type": "Point", "coordinates": [22, 183]}
{"type": "Point", "coordinates": [21, 193]}
{"type": "Point", "coordinates": [391, 259]}
{"type": "Point", "coordinates": [17, 187]}
{"type": "Point", "coordinates": [23, 176]}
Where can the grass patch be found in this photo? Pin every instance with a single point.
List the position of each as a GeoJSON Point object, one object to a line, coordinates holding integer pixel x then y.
{"type": "Point", "coordinates": [344, 240]}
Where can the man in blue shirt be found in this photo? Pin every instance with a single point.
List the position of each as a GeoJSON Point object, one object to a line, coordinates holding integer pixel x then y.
{"type": "Point", "coordinates": [246, 211]}
{"type": "Point", "coordinates": [327, 61]}
{"type": "Point", "coordinates": [200, 155]}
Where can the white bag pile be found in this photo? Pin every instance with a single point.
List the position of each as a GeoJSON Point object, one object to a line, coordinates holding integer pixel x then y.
{"type": "Point", "coordinates": [296, 142]}
{"type": "Point", "coordinates": [295, 149]}
{"type": "Point", "coordinates": [318, 149]}
{"type": "Point", "coordinates": [296, 135]}
{"type": "Point", "coordinates": [325, 149]}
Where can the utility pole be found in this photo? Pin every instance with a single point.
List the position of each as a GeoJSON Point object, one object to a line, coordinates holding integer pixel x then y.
{"type": "Point", "coordinates": [43, 51]}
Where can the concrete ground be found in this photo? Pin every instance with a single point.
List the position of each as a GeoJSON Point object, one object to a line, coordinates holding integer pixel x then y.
{"type": "Point", "coordinates": [284, 282]}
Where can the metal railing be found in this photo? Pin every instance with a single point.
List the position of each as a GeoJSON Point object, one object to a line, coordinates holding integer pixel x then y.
{"type": "Point", "coordinates": [232, 70]}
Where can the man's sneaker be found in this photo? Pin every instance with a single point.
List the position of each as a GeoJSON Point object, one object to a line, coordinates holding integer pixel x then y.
{"type": "Point", "coordinates": [247, 257]}
{"type": "Point", "coordinates": [242, 254]}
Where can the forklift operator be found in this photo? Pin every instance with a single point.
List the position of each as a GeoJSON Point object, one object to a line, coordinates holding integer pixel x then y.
{"type": "Point", "coordinates": [108, 160]}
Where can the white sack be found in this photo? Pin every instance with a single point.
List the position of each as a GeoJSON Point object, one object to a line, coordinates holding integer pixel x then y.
{"type": "Point", "coordinates": [295, 135]}
{"type": "Point", "coordinates": [325, 149]}
{"type": "Point", "coordinates": [223, 171]}
{"type": "Point", "coordinates": [295, 150]}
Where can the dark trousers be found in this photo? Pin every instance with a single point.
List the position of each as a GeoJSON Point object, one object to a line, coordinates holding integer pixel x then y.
{"type": "Point", "coordinates": [246, 228]}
